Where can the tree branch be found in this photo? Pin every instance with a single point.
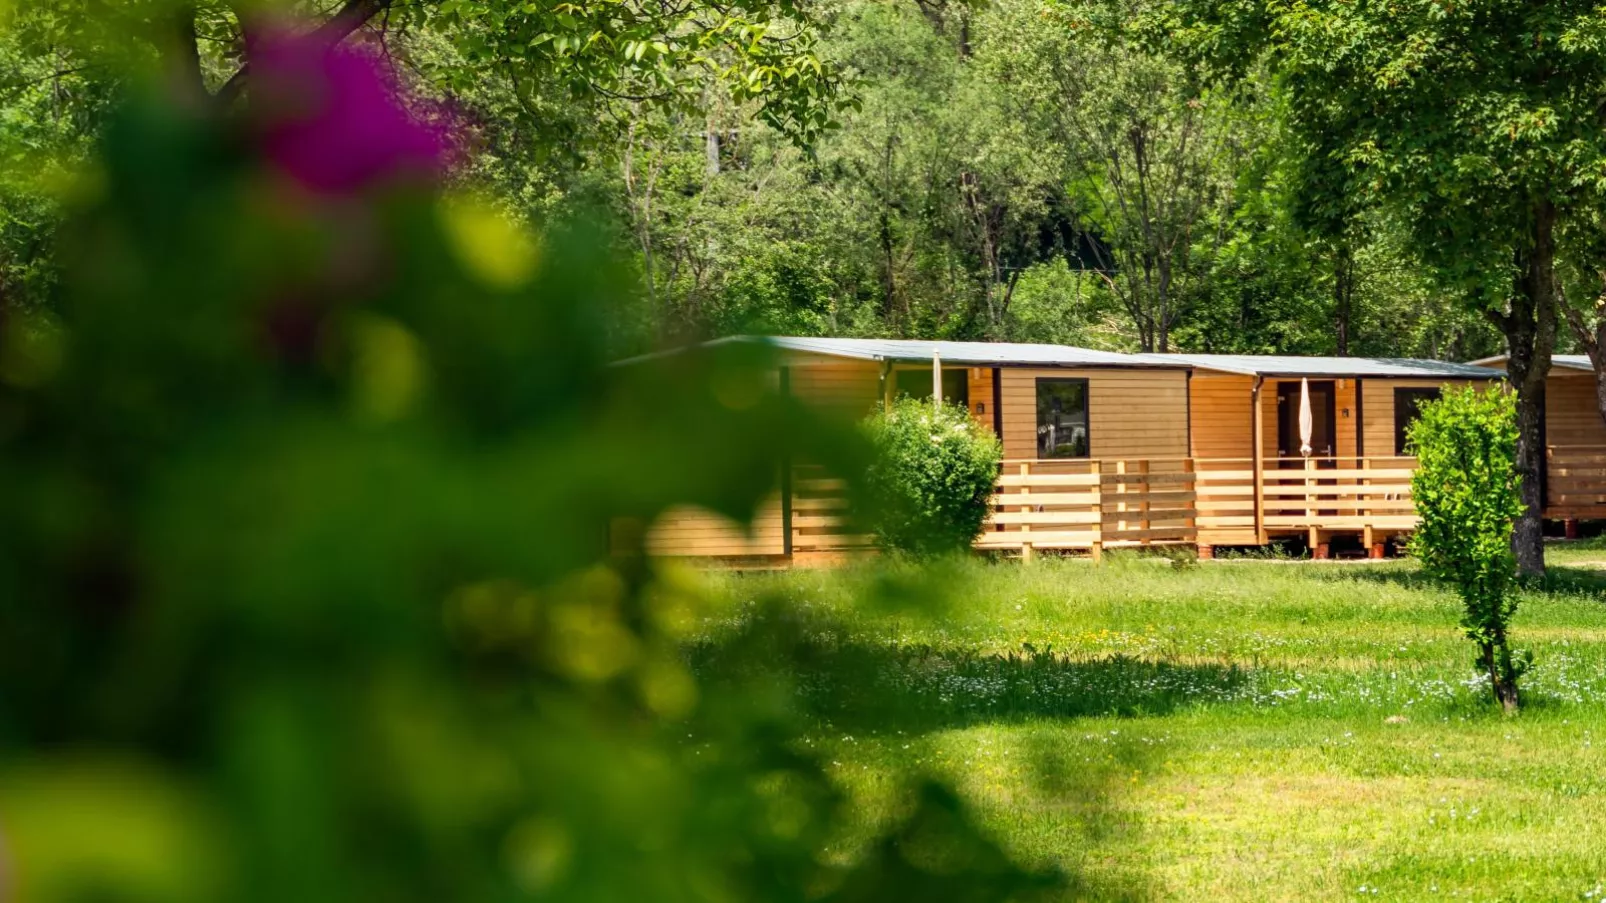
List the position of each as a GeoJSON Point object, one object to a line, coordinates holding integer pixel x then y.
{"type": "Point", "coordinates": [351, 16]}
{"type": "Point", "coordinates": [186, 60]}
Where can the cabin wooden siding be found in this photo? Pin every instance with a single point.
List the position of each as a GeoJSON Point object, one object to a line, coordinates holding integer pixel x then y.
{"type": "Point", "coordinates": [1222, 416]}
{"type": "Point", "coordinates": [1572, 416]}
{"type": "Point", "coordinates": [846, 388]}
{"type": "Point", "coordinates": [1379, 405]}
{"type": "Point", "coordinates": [849, 389]}
{"type": "Point", "coordinates": [698, 533]}
{"type": "Point", "coordinates": [1575, 485]}
{"type": "Point", "coordinates": [1132, 413]}
{"type": "Point", "coordinates": [981, 396]}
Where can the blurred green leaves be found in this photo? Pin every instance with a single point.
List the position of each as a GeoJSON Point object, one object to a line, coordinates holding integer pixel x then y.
{"type": "Point", "coordinates": [310, 578]}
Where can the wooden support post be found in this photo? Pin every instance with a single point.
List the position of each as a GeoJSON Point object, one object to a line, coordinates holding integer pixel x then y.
{"type": "Point", "coordinates": [1257, 460]}
{"type": "Point", "coordinates": [1120, 495]}
{"type": "Point", "coordinates": [1097, 549]}
{"type": "Point", "coordinates": [1570, 525]}
{"type": "Point", "coordinates": [1026, 490]}
{"type": "Point", "coordinates": [1367, 539]}
{"type": "Point", "coordinates": [1143, 506]}
{"type": "Point", "coordinates": [1207, 553]}
{"type": "Point", "coordinates": [1310, 493]}
{"type": "Point", "coordinates": [1364, 494]}
{"type": "Point", "coordinates": [1191, 484]}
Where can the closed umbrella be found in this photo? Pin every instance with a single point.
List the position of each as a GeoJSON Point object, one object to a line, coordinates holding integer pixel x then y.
{"type": "Point", "coordinates": [1305, 422]}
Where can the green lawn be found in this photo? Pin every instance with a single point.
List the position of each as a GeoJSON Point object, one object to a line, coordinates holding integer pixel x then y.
{"type": "Point", "coordinates": [1232, 730]}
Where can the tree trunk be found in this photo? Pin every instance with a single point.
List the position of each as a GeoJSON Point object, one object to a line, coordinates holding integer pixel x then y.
{"type": "Point", "coordinates": [1500, 681]}
{"type": "Point", "coordinates": [1343, 294]}
{"type": "Point", "coordinates": [1530, 330]}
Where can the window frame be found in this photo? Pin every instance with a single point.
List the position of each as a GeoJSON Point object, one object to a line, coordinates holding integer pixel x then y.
{"type": "Point", "coordinates": [1087, 416]}
{"type": "Point", "coordinates": [1402, 421]}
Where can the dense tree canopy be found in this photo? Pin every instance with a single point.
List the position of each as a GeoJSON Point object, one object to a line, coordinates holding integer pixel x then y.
{"type": "Point", "coordinates": [1477, 124]}
{"type": "Point", "coordinates": [1026, 170]}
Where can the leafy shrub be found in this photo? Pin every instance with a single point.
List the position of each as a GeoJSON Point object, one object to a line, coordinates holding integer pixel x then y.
{"type": "Point", "coordinates": [1466, 492]}
{"type": "Point", "coordinates": [933, 474]}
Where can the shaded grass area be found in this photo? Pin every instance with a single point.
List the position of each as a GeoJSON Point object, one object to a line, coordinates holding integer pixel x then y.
{"type": "Point", "coordinates": [1234, 730]}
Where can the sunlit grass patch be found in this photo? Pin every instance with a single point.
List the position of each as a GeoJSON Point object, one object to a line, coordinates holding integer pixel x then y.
{"type": "Point", "coordinates": [1239, 731]}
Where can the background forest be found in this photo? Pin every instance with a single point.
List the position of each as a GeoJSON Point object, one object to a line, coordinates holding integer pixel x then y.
{"type": "Point", "coordinates": [1022, 170]}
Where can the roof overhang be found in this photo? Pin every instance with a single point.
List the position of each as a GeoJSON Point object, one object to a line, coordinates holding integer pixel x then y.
{"type": "Point", "coordinates": [1576, 362]}
{"type": "Point", "coordinates": [1290, 366]}
{"type": "Point", "coordinates": [959, 354]}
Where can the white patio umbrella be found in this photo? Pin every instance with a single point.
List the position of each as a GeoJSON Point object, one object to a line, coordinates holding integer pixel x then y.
{"type": "Point", "coordinates": [1305, 422]}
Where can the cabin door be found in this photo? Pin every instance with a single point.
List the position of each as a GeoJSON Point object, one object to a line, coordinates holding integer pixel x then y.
{"type": "Point", "coordinates": [1324, 425]}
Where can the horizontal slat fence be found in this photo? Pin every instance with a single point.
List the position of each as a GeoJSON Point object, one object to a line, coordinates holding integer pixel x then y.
{"type": "Point", "coordinates": [1092, 505]}
{"type": "Point", "coordinates": [820, 519]}
{"type": "Point", "coordinates": [1046, 505]}
{"type": "Point", "coordinates": [1225, 503]}
{"type": "Point", "coordinates": [1339, 494]}
{"type": "Point", "coordinates": [1575, 483]}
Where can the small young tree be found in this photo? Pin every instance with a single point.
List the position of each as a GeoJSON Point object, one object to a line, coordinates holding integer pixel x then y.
{"type": "Point", "coordinates": [933, 474]}
{"type": "Point", "coordinates": [1465, 488]}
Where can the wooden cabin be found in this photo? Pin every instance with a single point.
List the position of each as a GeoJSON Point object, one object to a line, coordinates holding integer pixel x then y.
{"type": "Point", "coordinates": [1356, 478]}
{"type": "Point", "coordinates": [1059, 411]}
{"type": "Point", "coordinates": [1575, 441]}
{"type": "Point", "coordinates": [1104, 450]}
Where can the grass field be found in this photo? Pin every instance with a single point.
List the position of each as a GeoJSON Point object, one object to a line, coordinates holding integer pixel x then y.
{"type": "Point", "coordinates": [1225, 731]}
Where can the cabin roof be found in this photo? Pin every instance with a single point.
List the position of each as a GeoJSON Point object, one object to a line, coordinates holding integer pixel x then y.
{"type": "Point", "coordinates": [973, 353]}
{"type": "Point", "coordinates": [1292, 365]}
{"type": "Point", "coordinates": [1564, 361]}
{"type": "Point", "coordinates": [990, 354]}
{"type": "Point", "coordinates": [1016, 354]}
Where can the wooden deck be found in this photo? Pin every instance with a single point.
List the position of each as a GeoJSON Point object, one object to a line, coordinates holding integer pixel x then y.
{"type": "Point", "coordinates": [1096, 505]}
{"type": "Point", "coordinates": [1093, 505]}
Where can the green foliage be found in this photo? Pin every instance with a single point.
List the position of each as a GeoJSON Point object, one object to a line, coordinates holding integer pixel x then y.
{"type": "Point", "coordinates": [1459, 118]}
{"type": "Point", "coordinates": [1465, 490]}
{"type": "Point", "coordinates": [932, 476]}
{"type": "Point", "coordinates": [306, 576]}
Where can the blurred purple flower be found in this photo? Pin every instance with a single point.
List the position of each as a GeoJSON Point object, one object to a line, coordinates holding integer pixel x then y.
{"type": "Point", "coordinates": [333, 119]}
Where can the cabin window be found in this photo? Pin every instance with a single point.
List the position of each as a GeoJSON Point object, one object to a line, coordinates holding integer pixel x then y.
{"type": "Point", "coordinates": [1062, 418]}
{"type": "Point", "coordinates": [917, 384]}
{"type": "Point", "coordinates": [1407, 407]}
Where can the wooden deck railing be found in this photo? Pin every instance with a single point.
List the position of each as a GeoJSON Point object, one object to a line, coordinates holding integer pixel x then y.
{"type": "Point", "coordinates": [1092, 505]}
{"type": "Point", "coordinates": [820, 521]}
{"type": "Point", "coordinates": [1338, 494]}
{"type": "Point", "coordinates": [1095, 505]}
{"type": "Point", "coordinates": [1575, 481]}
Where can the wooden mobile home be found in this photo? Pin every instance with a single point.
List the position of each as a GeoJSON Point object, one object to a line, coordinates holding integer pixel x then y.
{"type": "Point", "coordinates": [1105, 450]}
{"type": "Point", "coordinates": [1575, 441]}
{"type": "Point", "coordinates": [1062, 413]}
